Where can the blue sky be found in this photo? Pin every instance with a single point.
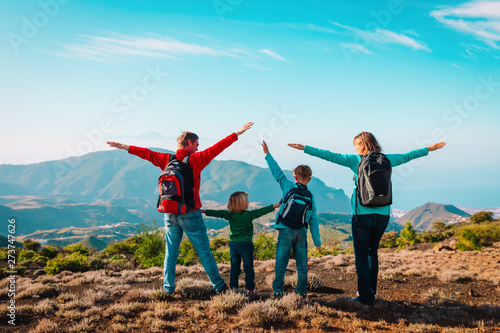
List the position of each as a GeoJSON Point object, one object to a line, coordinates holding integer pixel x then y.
{"type": "Point", "coordinates": [76, 73]}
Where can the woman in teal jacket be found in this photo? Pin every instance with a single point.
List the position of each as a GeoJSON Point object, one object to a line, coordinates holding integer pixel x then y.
{"type": "Point", "coordinates": [368, 223]}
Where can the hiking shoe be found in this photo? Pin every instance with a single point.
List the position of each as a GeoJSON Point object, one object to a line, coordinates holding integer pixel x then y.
{"type": "Point", "coordinates": [277, 295]}
{"type": "Point", "coordinates": [357, 300]}
{"type": "Point", "coordinates": [222, 290]}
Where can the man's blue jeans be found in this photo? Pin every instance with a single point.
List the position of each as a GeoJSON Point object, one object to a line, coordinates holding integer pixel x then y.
{"type": "Point", "coordinates": [367, 230]}
{"type": "Point", "coordinates": [192, 224]}
{"type": "Point", "coordinates": [297, 240]}
{"type": "Point", "coordinates": [239, 251]}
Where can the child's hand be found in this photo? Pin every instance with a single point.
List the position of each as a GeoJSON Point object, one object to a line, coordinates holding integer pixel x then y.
{"type": "Point", "coordinates": [264, 147]}
{"type": "Point", "coordinates": [278, 204]}
{"type": "Point", "coordinates": [296, 146]}
{"type": "Point", "coordinates": [436, 146]}
{"type": "Point", "coordinates": [202, 211]}
{"type": "Point", "coordinates": [318, 248]}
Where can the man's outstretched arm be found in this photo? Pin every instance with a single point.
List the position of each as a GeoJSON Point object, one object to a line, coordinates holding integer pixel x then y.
{"type": "Point", "coordinates": [158, 159]}
{"type": "Point", "coordinates": [118, 145]}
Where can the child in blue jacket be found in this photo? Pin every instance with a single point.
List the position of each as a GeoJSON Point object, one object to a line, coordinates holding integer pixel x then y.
{"type": "Point", "coordinates": [290, 238]}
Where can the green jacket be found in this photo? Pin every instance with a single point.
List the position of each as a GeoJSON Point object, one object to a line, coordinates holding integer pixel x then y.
{"type": "Point", "coordinates": [240, 224]}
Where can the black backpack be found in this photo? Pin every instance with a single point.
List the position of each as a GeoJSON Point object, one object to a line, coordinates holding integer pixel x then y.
{"type": "Point", "coordinates": [175, 185]}
{"type": "Point", "coordinates": [298, 202]}
{"type": "Point", "coordinates": [374, 180]}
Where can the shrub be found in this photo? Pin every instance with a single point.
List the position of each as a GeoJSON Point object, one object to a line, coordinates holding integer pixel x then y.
{"type": "Point", "coordinates": [468, 240]}
{"type": "Point", "coordinates": [26, 255]}
{"type": "Point", "coordinates": [482, 216]}
{"type": "Point", "coordinates": [77, 248]}
{"type": "Point", "coordinates": [189, 288]}
{"type": "Point", "coordinates": [31, 245]}
{"type": "Point", "coordinates": [121, 248]}
{"type": "Point", "coordinates": [41, 260]}
{"type": "Point", "coordinates": [95, 263]}
{"type": "Point", "coordinates": [265, 247]}
{"type": "Point", "coordinates": [151, 250]}
{"type": "Point", "coordinates": [389, 240]}
{"type": "Point", "coordinates": [74, 262]}
{"type": "Point", "coordinates": [229, 302]}
{"type": "Point", "coordinates": [408, 236]}
{"type": "Point", "coordinates": [487, 233]}
{"type": "Point", "coordinates": [429, 237]}
{"type": "Point", "coordinates": [220, 250]}
{"type": "Point", "coordinates": [49, 252]}
{"type": "Point", "coordinates": [187, 253]}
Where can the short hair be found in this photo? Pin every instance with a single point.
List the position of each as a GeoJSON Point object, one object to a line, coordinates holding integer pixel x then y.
{"type": "Point", "coordinates": [302, 171]}
{"type": "Point", "coordinates": [237, 202]}
{"type": "Point", "coordinates": [369, 141]}
{"type": "Point", "coordinates": [182, 140]}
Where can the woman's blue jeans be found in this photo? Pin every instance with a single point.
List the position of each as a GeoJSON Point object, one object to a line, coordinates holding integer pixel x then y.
{"type": "Point", "coordinates": [242, 251]}
{"type": "Point", "coordinates": [289, 239]}
{"type": "Point", "coordinates": [192, 224]}
{"type": "Point", "coordinates": [367, 230]}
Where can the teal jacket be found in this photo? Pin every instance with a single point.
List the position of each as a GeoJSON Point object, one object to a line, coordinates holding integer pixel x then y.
{"type": "Point", "coordinates": [240, 224]}
{"type": "Point", "coordinates": [352, 161]}
{"type": "Point", "coordinates": [286, 185]}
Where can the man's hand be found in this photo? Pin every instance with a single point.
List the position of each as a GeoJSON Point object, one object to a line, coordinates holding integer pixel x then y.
{"type": "Point", "coordinates": [245, 127]}
{"type": "Point", "coordinates": [436, 146]}
{"type": "Point", "coordinates": [296, 146]}
{"type": "Point", "coordinates": [118, 145]}
{"type": "Point", "coordinates": [202, 211]}
{"type": "Point", "coordinates": [264, 147]}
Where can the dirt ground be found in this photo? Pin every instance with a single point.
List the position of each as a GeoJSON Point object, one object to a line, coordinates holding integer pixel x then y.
{"type": "Point", "coordinates": [419, 291]}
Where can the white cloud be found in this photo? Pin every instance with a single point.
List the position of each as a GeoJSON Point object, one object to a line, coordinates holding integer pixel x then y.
{"type": "Point", "coordinates": [355, 48]}
{"type": "Point", "coordinates": [272, 54]}
{"type": "Point", "coordinates": [383, 36]}
{"type": "Point", "coordinates": [480, 19]}
{"type": "Point", "coordinates": [113, 48]}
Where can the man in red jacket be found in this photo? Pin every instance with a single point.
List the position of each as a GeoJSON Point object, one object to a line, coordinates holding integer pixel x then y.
{"type": "Point", "coordinates": [191, 222]}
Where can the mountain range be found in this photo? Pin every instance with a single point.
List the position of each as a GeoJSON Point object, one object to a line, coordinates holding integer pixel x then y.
{"type": "Point", "coordinates": [112, 186]}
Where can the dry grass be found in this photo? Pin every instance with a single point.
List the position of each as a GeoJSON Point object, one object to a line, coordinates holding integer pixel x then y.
{"type": "Point", "coordinates": [190, 288]}
{"type": "Point", "coordinates": [37, 290]}
{"type": "Point", "coordinates": [46, 326]}
{"type": "Point", "coordinates": [228, 302]}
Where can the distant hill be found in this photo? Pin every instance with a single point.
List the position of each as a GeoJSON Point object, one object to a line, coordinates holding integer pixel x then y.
{"type": "Point", "coordinates": [4, 242]}
{"type": "Point", "coordinates": [424, 216]}
{"type": "Point", "coordinates": [93, 242]}
{"type": "Point", "coordinates": [113, 186]}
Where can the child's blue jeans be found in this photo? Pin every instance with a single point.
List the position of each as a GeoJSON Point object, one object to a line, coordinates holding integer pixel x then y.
{"type": "Point", "coordinates": [289, 239]}
{"type": "Point", "coordinates": [242, 251]}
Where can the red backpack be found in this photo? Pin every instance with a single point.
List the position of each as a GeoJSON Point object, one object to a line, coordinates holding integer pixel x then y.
{"type": "Point", "coordinates": [175, 185]}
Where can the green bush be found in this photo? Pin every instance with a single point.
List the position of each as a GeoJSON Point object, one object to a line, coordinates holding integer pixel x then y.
{"type": "Point", "coordinates": [122, 248]}
{"type": "Point", "coordinates": [482, 216]}
{"type": "Point", "coordinates": [187, 254]}
{"type": "Point", "coordinates": [265, 247]}
{"type": "Point", "coordinates": [49, 252]}
{"type": "Point", "coordinates": [26, 255]}
{"type": "Point", "coordinates": [468, 240]}
{"type": "Point", "coordinates": [74, 262]}
{"type": "Point", "coordinates": [325, 251]}
{"type": "Point", "coordinates": [95, 263]}
{"type": "Point", "coordinates": [389, 240]}
{"type": "Point", "coordinates": [41, 260]}
{"type": "Point", "coordinates": [220, 250]}
{"type": "Point", "coordinates": [77, 248]}
{"type": "Point", "coordinates": [429, 237]}
{"type": "Point", "coordinates": [487, 233]}
{"type": "Point", "coordinates": [408, 236]}
{"type": "Point", "coordinates": [151, 250]}
{"type": "Point", "coordinates": [31, 245]}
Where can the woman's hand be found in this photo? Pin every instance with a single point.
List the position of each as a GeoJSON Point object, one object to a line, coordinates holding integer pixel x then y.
{"type": "Point", "coordinates": [265, 148]}
{"type": "Point", "coordinates": [296, 146]}
{"type": "Point", "coordinates": [436, 146]}
{"type": "Point", "coordinates": [278, 204]}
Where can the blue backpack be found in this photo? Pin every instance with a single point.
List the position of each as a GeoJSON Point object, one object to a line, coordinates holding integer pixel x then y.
{"type": "Point", "coordinates": [298, 202]}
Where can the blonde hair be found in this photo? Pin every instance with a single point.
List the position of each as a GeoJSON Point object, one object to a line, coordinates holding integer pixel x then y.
{"type": "Point", "coordinates": [238, 202]}
{"type": "Point", "coordinates": [302, 171]}
{"type": "Point", "coordinates": [369, 142]}
{"type": "Point", "coordinates": [182, 140]}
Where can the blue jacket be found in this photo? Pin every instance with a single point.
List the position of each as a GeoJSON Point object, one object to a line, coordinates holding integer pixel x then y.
{"type": "Point", "coordinates": [286, 185]}
{"type": "Point", "coordinates": [352, 161]}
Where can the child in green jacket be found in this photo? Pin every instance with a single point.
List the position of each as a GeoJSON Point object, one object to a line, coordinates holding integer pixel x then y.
{"type": "Point", "coordinates": [240, 239]}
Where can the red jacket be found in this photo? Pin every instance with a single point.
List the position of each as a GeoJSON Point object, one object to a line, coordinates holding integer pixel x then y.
{"type": "Point", "coordinates": [198, 160]}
